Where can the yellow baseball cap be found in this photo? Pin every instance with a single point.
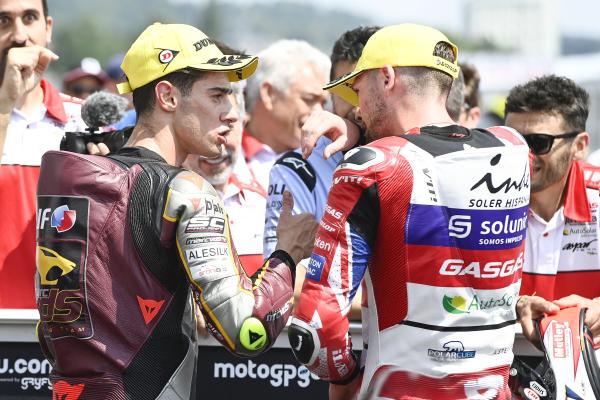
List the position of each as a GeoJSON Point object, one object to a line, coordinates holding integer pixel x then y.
{"type": "Point", "coordinates": [165, 48]}
{"type": "Point", "coordinates": [404, 45]}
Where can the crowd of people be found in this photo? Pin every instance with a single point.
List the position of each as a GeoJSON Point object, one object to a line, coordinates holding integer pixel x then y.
{"type": "Point", "coordinates": [290, 185]}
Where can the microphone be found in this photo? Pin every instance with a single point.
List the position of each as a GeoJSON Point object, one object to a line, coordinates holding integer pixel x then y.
{"type": "Point", "coordinates": [99, 110]}
{"type": "Point", "coordinates": [103, 109]}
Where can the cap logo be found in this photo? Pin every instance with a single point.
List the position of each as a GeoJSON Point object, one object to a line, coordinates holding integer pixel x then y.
{"type": "Point", "coordinates": [227, 61]}
{"type": "Point", "coordinates": [203, 43]}
{"type": "Point", "coordinates": [447, 65]}
{"type": "Point", "coordinates": [166, 56]}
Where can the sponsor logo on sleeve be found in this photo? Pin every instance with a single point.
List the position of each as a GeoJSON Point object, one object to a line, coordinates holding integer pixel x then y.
{"type": "Point", "coordinates": [205, 224]}
{"type": "Point", "coordinates": [333, 212]}
{"type": "Point", "coordinates": [205, 240]}
{"type": "Point", "coordinates": [213, 207]}
{"type": "Point", "coordinates": [207, 252]}
{"type": "Point", "coordinates": [314, 269]}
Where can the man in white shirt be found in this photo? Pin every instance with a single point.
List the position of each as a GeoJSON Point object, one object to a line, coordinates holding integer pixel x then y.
{"type": "Point", "coordinates": [34, 116]}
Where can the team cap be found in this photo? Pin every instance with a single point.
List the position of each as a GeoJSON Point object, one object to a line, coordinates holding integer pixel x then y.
{"type": "Point", "coordinates": [164, 48]}
{"type": "Point", "coordinates": [404, 45]}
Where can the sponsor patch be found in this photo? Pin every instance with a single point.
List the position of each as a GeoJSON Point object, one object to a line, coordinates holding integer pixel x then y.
{"type": "Point", "coordinates": [466, 228]}
{"type": "Point", "coordinates": [452, 351]}
{"type": "Point", "coordinates": [314, 269]}
{"type": "Point", "coordinates": [205, 224]}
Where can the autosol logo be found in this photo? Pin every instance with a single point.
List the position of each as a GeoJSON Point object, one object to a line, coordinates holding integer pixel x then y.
{"type": "Point", "coordinates": [476, 269]}
{"type": "Point", "coordinates": [509, 184]}
{"type": "Point", "coordinates": [451, 351]}
{"type": "Point", "coordinates": [465, 305]}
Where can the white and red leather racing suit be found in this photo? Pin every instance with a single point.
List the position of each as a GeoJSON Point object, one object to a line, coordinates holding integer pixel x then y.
{"type": "Point", "coordinates": [435, 221]}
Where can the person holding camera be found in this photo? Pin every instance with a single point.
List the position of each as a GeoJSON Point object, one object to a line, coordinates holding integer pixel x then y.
{"type": "Point", "coordinates": [34, 117]}
{"type": "Point", "coordinates": [130, 243]}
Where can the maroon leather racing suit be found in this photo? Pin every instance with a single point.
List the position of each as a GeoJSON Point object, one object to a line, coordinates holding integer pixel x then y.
{"type": "Point", "coordinates": [121, 240]}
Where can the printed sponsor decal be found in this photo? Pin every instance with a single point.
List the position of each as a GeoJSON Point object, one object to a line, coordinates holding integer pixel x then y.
{"type": "Point", "coordinates": [578, 247]}
{"type": "Point", "coordinates": [276, 189]}
{"type": "Point", "coordinates": [213, 207]}
{"type": "Point", "coordinates": [492, 269]}
{"type": "Point", "coordinates": [510, 184]}
{"type": "Point", "coordinates": [584, 231]}
{"type": "Point", "coordinates": [322, 244]}
{"type": "Point", "coordinates": [298, 164]}
{"type": "Point", "coordinates": [430, 187]}
{"type": "Point", "coordinates": [205, 240]}
{"type": "Point", "coordinates": [463, 305]}
{"type": "Point", "coordinates": [278, 375]}
{"type": "Point", "coordinates": [560, 336]}
{"type": "Point", "coordinates": [539, 389]}
{"type": "Point", "coordinates": [61, 218]}
{"type": "Point", "coordinates": [61, 253]}
{"type": "Point", "coordinates": [466, 228]}
{"type": "Point", "coordinates": [205, 224]}
{"type": "Point", "coordinates": [329, 228]}
{"type": "Point", "coordinates": [333, 212]}
{"type": "Point", "coordinates": [26, 374]}
{"type": "Point", "coordinates": [314, 269]}
{"type": "Point", "coordinates": [452, 351]}
{"type": "Point", "coordinates": [347, 179]}
{"type": "Point", "coordinates": [207, 252]}
{"type": "Point", "coordinates": [530, 394]}
{"type": "Point", "coordinates": [273, 315]}
{"type": "Point", "coordinates": [166, 56]}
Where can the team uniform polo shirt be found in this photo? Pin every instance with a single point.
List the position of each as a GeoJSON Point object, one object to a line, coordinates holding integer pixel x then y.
{"type": "Point", "coordinates": [28, 137]}
{"type": "Point", "coordinates": [561, 255]}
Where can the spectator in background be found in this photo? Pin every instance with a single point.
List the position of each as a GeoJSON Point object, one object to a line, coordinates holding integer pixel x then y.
{"type": "Point", "coordinates": [387, 216]}
{"type": "Point", "coordinates": [86, 79]}
{"type": "Point", "coordinates": [33, 119]}
{"type": "Point", "coordinates": [562, 258]}
{"type": "Point", "coordinates": [309, 180]}
{"type": "Point", "coordinates": [279, 98]}
{"type": "Point", "coordinates": [470, 113]}
{"type": "Point", "coordinates": [244, 198]}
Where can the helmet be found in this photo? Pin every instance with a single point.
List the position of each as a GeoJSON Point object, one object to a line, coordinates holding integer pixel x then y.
{"type": "Point", "coordinates": [570, 367]}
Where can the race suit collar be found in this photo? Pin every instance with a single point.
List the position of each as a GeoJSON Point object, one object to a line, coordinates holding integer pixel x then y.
{"type": "Point", "coordinates": [53, 102]}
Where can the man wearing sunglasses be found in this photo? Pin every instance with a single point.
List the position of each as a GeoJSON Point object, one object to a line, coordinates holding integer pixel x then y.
{"type": "Point", "coordinates": [562, 262]}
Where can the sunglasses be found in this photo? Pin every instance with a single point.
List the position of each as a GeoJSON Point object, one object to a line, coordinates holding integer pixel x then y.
{"type": "Point", "coordinates": [80, 89]}
{"type": "Point", "coordinates": [541, 143]}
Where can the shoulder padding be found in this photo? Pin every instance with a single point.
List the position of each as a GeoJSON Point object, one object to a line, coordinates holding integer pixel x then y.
{"type": "Point", "coordinates": [301, 167]}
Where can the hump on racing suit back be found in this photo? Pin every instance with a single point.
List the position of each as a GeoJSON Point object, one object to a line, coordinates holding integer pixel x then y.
{"type": "Point", "coordinates": [120, 239]}
{"type": "Point", "coordinates": [439, 217]}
